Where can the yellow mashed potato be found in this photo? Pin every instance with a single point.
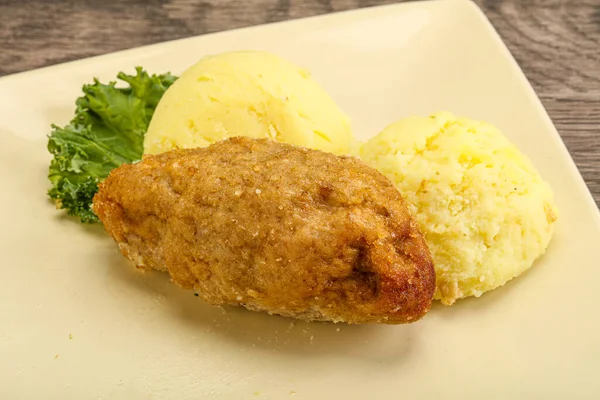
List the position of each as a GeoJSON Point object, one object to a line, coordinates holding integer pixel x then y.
{"type": "Point", "coordinates": [247, 93]}
{"type": "Point", "coordinates": [486, 212]}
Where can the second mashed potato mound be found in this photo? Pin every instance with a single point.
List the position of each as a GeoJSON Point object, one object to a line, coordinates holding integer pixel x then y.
{"type": "Point", "coordinates": [247, 93]}
{"type": "Point", "coordinates": [486, 212]}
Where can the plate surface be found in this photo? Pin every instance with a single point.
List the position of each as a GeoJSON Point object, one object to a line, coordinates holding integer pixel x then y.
{"type": "Point", "coordinates": [77, 322]}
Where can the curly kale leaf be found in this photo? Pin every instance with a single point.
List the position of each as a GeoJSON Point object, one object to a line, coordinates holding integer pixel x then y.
{"type": "Point", "coordinates": [107, 130]}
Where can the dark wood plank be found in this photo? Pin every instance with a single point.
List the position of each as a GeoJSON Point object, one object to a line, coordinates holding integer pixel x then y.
{"type": "Point", "coordinates": [556, 42]}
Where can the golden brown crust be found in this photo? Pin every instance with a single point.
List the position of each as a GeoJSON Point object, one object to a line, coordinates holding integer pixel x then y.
{"type": "Point", "coordinates": [273, 227]}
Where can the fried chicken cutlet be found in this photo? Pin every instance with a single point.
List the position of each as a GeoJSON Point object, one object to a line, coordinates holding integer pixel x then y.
{"type": "Point", "coordinates": [273, 227]}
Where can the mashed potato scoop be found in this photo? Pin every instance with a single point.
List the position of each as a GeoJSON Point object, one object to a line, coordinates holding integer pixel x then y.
{"type": "Point", "coordinates": [247, 93]}
{"type": "Point", "coordinates": [486, 212]}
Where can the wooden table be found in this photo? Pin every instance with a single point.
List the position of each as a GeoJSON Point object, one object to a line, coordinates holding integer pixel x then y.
{"type": "Point", "coordinates": [556, 42]}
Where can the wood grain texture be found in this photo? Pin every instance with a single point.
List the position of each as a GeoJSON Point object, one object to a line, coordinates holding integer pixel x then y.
{"type": "Point", "coordinates": [556, 42]}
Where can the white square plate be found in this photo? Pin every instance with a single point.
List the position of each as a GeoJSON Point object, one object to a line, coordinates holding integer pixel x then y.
{"type": "Point", "coordinates": [77, 322]}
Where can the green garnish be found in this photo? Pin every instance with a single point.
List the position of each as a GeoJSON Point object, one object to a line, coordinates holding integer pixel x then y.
{"type": "Point", "coordinates": [107, 131]}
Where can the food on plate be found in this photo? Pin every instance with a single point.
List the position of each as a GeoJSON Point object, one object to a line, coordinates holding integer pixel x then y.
{"type": "Point", "coordinates": [486, 213]}
{"type": "Point", "coordinates": [107, 131]}
{"type": "Point", "coordinates": [270, 222]}
{"type": "Point", "coordinates": [273, 227]}
{"type": "Point", "coordinates": [247, 93]}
